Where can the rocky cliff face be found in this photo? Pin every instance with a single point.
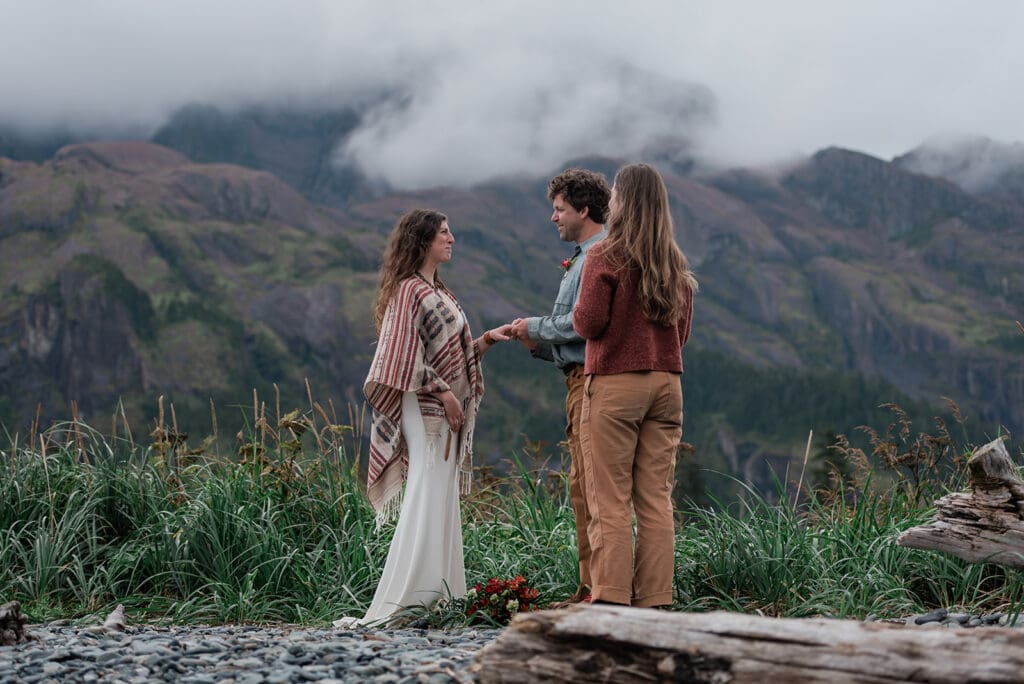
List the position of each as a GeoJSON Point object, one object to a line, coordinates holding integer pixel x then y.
{"type": "Point", "coordinates": [132, 271]}
{"type": "Point", "coordinates": [893, 274]}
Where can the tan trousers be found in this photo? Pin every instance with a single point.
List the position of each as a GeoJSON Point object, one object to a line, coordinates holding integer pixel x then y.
{"type": "Point", "coordinates": [632, 424]}
{"type": "Point", "coordinates": [577, 485]}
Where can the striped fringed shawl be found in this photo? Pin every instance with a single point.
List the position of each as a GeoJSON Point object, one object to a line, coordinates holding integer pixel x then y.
{"type": "Point", "coordinates": [423, 349]}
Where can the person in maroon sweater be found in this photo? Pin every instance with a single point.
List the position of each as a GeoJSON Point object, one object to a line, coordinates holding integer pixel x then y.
{"type": "Point", "coordinates": [634, 309]}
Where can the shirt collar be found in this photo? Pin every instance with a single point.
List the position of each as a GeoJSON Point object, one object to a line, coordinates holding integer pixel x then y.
{"type": "Point", "coordinates": [587, 244]}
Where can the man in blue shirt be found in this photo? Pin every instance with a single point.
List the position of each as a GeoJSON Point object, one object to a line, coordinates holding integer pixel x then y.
{"type": "Point", "coordinates": [579, 199]}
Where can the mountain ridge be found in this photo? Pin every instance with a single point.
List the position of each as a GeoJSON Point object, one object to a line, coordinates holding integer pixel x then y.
{"type": "Point", "coordinates": [161, 275]}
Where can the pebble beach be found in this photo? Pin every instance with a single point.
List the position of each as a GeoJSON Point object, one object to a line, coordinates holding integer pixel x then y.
{"type": "Point", "coordinates": [58, 652]}
{"type": "Point", "coordinates": [242, 655]}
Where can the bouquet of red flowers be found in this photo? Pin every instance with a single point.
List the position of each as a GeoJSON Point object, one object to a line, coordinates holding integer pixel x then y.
{"type": "Point", "coordinates": [500, 600]}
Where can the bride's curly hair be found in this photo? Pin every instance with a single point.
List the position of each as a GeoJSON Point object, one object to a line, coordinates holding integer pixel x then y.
{"type": "Point", "coordinates": [407, 247]}
{"type": "Point", "coordinates": [641, 238]}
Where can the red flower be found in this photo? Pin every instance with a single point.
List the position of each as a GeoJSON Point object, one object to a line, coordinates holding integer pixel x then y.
{"type": "Point", "coordinates": [567, 263]}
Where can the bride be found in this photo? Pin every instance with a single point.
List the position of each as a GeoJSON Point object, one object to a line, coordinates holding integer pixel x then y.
{"type": "Point", "coordinates": [425, 386]}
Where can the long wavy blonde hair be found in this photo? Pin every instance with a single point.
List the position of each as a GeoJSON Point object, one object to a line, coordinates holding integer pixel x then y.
{"type": "Point", "coordinates": [641, 238]}
{"type": "Point", "coordinates": [407, 247]}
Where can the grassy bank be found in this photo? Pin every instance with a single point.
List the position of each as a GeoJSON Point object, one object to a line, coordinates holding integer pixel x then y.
{"type": "Point", "coordinates": [280, 531]}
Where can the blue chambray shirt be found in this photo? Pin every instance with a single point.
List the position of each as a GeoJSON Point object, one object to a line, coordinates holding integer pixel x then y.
{"type": "Point", "coordinates": [558, 341]}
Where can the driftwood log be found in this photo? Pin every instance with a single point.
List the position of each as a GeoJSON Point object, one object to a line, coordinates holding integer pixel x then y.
{"type": "Point", "coordinates": [12, 624]}
{"type": "Point", "coordinates": [619, 644]}
{"type": "Point", "coordinates": [984, 525]}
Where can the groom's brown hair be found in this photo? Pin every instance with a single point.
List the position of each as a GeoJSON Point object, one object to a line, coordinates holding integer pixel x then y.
{"type": "Point", "coordinates": [583, 188]}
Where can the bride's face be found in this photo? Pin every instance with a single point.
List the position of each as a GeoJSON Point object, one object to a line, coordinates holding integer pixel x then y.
{"type": "Point", "coordinates": [440, 250]}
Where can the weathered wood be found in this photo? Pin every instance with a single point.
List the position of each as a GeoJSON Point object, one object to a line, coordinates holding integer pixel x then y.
{"type": "Point", "coordinates": [12, 624]}
{"type": "Point", "coordinates": [984, 525]}
{"type": "Point", "coordinates": [618, 644]}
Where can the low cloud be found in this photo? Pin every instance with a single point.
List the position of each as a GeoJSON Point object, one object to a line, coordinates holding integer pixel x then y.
{"type": "Point", "coordinates": [977, 164]}
{"type": "Point", "coordinates": [465, 91]}
{"type": "Point", "coordinates": [524, 124]}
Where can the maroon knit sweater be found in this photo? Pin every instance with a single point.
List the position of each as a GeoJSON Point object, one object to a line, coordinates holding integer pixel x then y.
{"type": "Point", "coordinates": [620, 339]}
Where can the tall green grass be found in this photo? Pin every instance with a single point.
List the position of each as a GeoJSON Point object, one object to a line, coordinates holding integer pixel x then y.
{"type": "Point", "coordinates": [282, 532]}
{"type": "Point", "coordinates": [831, 559]}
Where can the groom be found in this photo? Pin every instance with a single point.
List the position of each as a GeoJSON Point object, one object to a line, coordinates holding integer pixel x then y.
{"type": "Point", "coordinates": [579, 199]}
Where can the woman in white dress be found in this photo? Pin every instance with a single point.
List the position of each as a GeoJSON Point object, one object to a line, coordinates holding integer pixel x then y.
{"type": "Point", "coordinates": [425, 386]}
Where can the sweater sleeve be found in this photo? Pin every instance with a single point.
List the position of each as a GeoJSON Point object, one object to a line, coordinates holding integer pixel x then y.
{"type": "Point", "coordinates": [597, 291]}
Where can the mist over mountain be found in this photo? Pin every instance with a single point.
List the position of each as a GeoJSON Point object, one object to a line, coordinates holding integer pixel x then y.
{"type": "Point", "coordinates": [455, 93]}
{"type": "Point", "coordinates": [236, 255]}
{"type": "Point", "coordinates": [977, 164]}
{"type": "Point", "coordinates": [38, 148]}
{"type": "Point", "coordinates": [297, 146]}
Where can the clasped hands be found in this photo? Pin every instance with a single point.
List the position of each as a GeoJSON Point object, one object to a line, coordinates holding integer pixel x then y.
{"type": "Point", "coordinates": [518, 330]}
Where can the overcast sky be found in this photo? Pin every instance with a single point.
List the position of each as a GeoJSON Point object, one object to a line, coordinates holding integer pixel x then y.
{"type": "Point", "coordinates": [494, 88]}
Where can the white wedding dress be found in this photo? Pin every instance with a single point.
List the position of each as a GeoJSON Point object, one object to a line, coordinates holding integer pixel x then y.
{"type": "Point", "coordinates": [425, 560]}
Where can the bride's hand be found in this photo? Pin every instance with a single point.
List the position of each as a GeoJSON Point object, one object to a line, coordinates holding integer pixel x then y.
{"type": "Point", "coordinates": [452, 410]}
{"type": "Point", "coordinates": [502, 333]}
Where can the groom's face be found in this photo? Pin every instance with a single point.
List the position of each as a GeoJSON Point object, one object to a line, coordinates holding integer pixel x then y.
{"type": "Point", "coordinates": [569, 221]}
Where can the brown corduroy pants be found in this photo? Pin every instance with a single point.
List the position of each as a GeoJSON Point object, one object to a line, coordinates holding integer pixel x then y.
{"type": "Point", "coordinates": [574, 382]}
{"type": "Point", "coordinates": [631, 424]}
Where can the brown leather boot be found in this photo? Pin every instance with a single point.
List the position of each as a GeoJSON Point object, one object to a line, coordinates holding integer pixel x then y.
{"type": "Point", "coordinates": [582, 595]}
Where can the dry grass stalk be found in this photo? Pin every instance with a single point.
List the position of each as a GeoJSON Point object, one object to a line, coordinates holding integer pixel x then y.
{"type": "Point", "coordinates": [76, 428]}
{"type": "Point", "coordinates": [213, 420]}
{"type": "Point", "coordinates": [255, 409]}
{"type": "Point", "coordinates": [803, 469]}
{"type": "Point", "coordinates": [312, 418]}
{"type": "Point", "coordinates": [316, 432]}
{"type": "Point", "coordinates": [49, 489]}
{"type": "Point", "coordinates": [127, 425]}
{"type": "Point", "coordinates": [915, 461]}
{"type": "Point", "coordinates": [34, 430]}
{"type": "Point", "coordinates": [277, 404]}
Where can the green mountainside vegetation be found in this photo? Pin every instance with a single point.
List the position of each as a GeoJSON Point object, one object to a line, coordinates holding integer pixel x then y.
{"type": "Point", "coordinates": [220, 268]}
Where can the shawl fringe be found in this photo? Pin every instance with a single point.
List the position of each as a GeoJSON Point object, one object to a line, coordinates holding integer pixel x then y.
{"type": "Point", "coordinates": [389, 510]}
{"type": "Point", "coordinates": [392, 505]}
